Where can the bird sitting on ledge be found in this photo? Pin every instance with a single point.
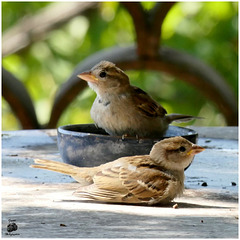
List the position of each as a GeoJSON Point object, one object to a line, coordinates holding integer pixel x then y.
{"type": "Point", "coordinates": [144, 179]}
{"type": "Point", "coordinates": [122, 109]}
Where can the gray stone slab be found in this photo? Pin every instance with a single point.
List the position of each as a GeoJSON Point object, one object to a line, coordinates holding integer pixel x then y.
{"type": "Point", "coordinates": [42, 204]}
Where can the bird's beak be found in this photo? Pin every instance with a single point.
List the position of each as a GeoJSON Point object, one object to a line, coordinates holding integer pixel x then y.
{"type": "Point", "coordinates": [195, 150]}
{"type": "Point", "coordinates": [88, 76]}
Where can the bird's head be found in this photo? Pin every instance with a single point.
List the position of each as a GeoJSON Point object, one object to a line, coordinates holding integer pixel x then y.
{"type": "Point", "coordinates": [174, 153]}
{"type": "Point", "coordinates": [105, 77]}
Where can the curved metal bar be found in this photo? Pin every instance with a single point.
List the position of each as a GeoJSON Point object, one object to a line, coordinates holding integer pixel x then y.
{"type": "Point", "coordinates": [65, 95]}
{"type": "Point", "coordinates": [148, 25]}
{"type": "Point", "coordinates": [157, 16]}
{"type": "Point", "coordinates": [19, 100]}
{"type": "Point", "coordinates": [171, 61]}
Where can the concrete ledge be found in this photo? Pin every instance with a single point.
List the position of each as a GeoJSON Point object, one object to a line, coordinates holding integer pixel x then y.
{"type": "Point", "coordinates": [216, 132]}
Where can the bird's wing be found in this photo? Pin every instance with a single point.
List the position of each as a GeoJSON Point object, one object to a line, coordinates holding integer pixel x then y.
{"type": "Point", "coordinates": [108, 179]}
{"type": "Point", "coordinates": [129, 184]}
{"type": "Point", "coordinates": [147, 183]}
{"type": "Point", "coordinates": [107, 186]}
{"type": "Point", "coordinates": [146, 104]}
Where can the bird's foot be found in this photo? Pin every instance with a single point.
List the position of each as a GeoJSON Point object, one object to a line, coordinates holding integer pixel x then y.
{"type": "Point", "coordinates": [124, 136]}
{"type": "Point", "coordinates": [137, 137]}
{"type": "Point", "coordinates": [127, 135]}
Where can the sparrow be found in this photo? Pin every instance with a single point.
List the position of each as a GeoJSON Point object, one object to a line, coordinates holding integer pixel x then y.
{"type": "Point", "coordinates": [144, 179]}
{"type": "Point", "coordinates": [122, 109]}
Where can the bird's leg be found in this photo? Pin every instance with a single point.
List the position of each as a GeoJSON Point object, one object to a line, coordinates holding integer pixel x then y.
{"type": "Point", "coordinates": [137, 137]}
{"type": "Point", "coordinates": [124, 136]}
{"type": "Point", "coordinates": [127, 135]}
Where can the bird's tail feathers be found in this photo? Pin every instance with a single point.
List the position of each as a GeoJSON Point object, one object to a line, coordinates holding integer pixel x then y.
{"type": "Point", "coordinates": [80, 174]}
{"type": "Point", "coordinates": [175, 117]}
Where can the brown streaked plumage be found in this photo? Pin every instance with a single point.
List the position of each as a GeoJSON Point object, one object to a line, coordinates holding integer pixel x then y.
{"type": "Point", "coordinates": [122, 109]}
{"type": "Point", "coordinates": [144, 179]}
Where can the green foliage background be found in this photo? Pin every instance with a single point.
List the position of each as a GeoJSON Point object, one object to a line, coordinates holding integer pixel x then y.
{"type": "Point", "coordinates": [206, 30]}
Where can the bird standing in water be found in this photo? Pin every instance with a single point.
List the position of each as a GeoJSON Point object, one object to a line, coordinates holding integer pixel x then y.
{"type": "Point", "coordinates": [122, 109]}
{"type": "Point", "coordinates": [144, 179]}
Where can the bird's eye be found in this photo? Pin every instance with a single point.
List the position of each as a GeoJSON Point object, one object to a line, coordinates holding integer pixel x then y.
{"type": "Point", "coordinates": [103, 74]}
{"type": "Point", "coordinates": [182, 149]}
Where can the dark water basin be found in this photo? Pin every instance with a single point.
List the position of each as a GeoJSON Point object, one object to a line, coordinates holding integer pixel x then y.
{"type": "Point", "coordinates": [85, 145]}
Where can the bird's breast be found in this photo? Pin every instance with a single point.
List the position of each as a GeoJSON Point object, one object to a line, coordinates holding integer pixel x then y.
{"type": "Point", "coordinates": [114, 115]}
{"type": "Point", "coordinates": [119, 116]}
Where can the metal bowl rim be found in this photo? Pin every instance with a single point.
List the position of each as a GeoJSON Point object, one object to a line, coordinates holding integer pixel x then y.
{"type": "Point", "coordinates": [62, 130]}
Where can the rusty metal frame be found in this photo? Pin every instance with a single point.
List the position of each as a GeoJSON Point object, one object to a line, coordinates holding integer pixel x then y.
{"type": "Point", "coordinates": [153, 57]}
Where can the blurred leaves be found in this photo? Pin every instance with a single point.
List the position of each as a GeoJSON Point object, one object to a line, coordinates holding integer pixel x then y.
{"type": "Point", "coordinates": [206, 30]}
{"type": "Point", "coordinates": [209, 31]}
